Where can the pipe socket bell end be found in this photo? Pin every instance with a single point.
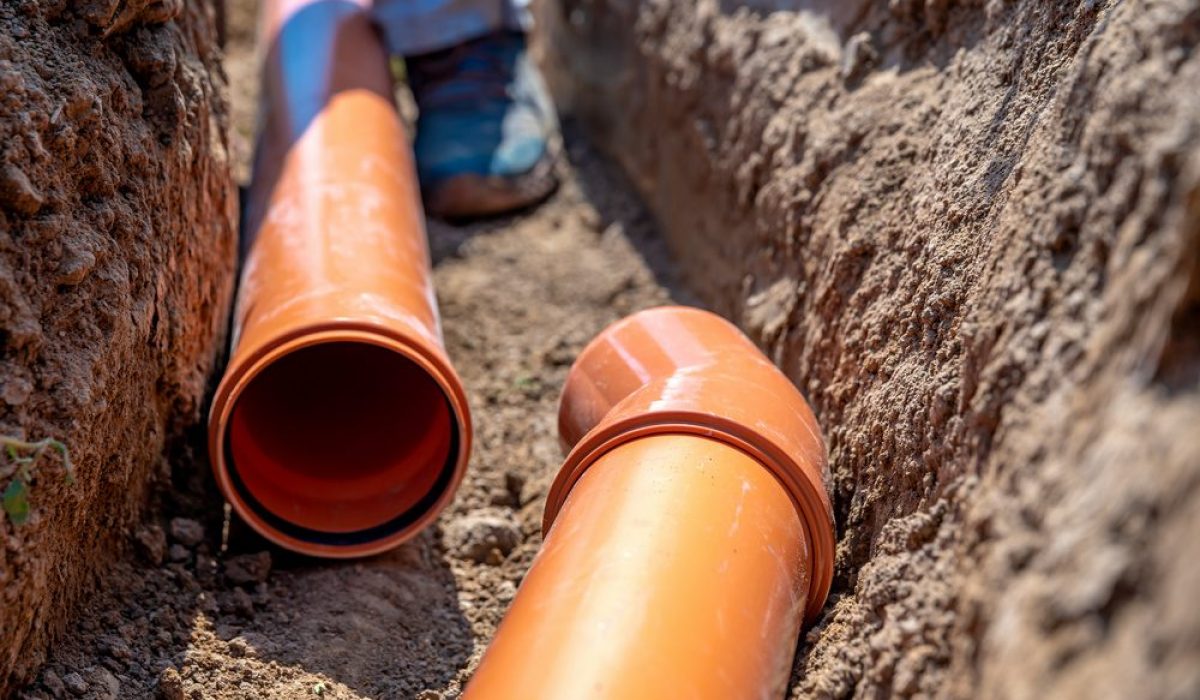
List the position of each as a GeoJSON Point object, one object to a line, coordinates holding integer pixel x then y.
{"type": "Point", "coordinates": [682, 370]}
{"type": "Point", "coordinates": [340, 443]}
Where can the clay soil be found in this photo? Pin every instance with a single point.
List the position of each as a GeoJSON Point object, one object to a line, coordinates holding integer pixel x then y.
{"type": "Point", "coordinates": [117, 249]}
{"type": "Point", "coordinates": [218, 614]}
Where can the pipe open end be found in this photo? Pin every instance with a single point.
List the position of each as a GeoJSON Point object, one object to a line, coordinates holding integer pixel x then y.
{"type": "Point", "coordinates": [342, 443]}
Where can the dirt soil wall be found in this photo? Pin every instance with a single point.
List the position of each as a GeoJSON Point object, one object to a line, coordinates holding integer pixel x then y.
{"type": "Point", "coordinates": [117, 239]}
{"type": "Point", "coordinates": [970, 231]}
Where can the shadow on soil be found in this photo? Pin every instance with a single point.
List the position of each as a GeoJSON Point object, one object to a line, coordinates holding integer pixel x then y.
{"type": "Point", "coordinates": [388, 626]}
{"type": "Point", "coordinates": [607, 189]}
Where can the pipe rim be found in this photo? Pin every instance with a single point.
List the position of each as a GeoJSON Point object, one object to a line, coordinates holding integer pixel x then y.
{"type": "Point", "coordinates": [402, 528]}
{"type": "Point", "coordinates": [811, 502]}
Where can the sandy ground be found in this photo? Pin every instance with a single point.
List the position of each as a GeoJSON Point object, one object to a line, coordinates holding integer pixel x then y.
{"type": "Point", "coordinates": [204, 609]}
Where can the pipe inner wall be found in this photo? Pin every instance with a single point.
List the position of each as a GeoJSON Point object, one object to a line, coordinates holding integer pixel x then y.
{"type": "Point", "coordinates": [340, 437]}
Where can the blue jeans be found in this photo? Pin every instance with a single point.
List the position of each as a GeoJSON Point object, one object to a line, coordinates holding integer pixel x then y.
{"type": "Point", "coordinates": [413, 27]}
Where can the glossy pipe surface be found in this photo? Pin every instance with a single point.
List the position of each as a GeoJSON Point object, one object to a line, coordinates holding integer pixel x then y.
{"type": "Point", "coordinates": [340, 428]}
{"type": "Point", "coordinates": [688, 534]}
{"type": "Point", "coordinates": [676, 568]}
{"type": "Point", "coordinates": [676, 369]}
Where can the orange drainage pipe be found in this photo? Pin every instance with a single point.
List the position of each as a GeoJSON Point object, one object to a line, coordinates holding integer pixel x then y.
{"type": "Point", "coordinates": [340, 428]}
{"type": "Point", "coordinates": [688, 534]}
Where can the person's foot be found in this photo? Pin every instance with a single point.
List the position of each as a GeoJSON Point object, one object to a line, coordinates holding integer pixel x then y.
{"type": "Point", "coordinates": [487, 136]}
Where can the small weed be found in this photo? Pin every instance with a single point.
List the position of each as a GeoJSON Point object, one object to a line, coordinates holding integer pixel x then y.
{"type": "Point", "coordinates": [318, 689]}
{"type": "Point", "coordinates": [21, 457]}
{"type": "Point", "coordinates": [399, 69]}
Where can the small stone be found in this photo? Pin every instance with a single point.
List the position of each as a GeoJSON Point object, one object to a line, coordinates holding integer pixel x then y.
{"type": "Point", "coordinates": [75, 683]}
{"type": "Point", "coordinates": [100, 13]}
{"type": "Point", "coordinates": [53, 684]}
{"type": "Point", "coordinates": [590, 218]}
{"type": "Point", "coordinates": [859, 57]}
{"type": "Point", "coordinates": [151, 544]}
{"type": "Point", "coordinates": [483, 537]}
{"type": "Point", "coordinates": [16, 390]}
{"type": "Point", "coordinates": [179, 553]}
{"type": "Point", "coordinates": [243, 604]}
{"type": "Point", "coordinates": [246, 569]}
{"type": "Point", "coordinates": [17, 192]}
{"type": "Point", "coordinates": [118, 649]}
{"type": "Point", "coordinates": [515, 483]}
{"type": "Point", "coordinates": [500, 496]}
{"type": "Point", "coordinates": [170, 684]}
{"type": "Point", "coordinates": [160, 12]}
{"type": "Point", "coordinates": [186, 531]}
{"type": "Point", "coordinates": [113, 664]}
{"type": "Point", "coordinates": [256, 644]}
{"type": "Point", "coordinates": [238, 648]}
{"type": "Point", "coordinates": [105, 683]}
{"type": "Point", "coordinates": [261, 595]}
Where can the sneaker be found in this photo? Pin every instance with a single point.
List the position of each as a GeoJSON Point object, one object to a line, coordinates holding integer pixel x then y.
{"type": "Point", "coordinates": [487, 138]}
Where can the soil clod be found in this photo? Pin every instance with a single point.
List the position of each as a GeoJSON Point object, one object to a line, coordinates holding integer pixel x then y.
{"type": "Point", "coordinates": [74, 683]}
{"type": "Point", "coordinates": [187, 532]}
{"type": "Point", "coordinates": [248, 569]}
{"type": "Point", "coordinates": [170, 685]}
{"type": "Point", "coordinates": [484, 537]}
{"type": "Point", "coordinates": [151, 544]}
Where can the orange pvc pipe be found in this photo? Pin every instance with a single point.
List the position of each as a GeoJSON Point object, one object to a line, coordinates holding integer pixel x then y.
{"type": "Point", "coordinates": [688, 534]}
{"type": "Point", "coordinates": [340, 428]}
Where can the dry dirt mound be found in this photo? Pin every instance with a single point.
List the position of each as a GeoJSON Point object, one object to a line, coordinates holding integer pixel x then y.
{"type": "Point", "coordinates": [970, 231]}
{"type": "Point", "coordinates": [116, 259]}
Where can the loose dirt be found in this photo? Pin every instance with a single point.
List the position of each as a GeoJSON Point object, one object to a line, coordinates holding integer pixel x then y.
{"type": "Point", "coordinates": [519, 298]}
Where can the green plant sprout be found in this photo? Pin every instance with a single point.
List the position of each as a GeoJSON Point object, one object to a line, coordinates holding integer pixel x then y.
{"type": "Point", "coordinates": [21, 457]}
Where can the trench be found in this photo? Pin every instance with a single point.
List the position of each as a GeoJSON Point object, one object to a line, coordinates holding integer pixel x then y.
{"type": "Point", "coordinates": [1000, 349]}
{"type": "Point", "coordinates": [519, 298]}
